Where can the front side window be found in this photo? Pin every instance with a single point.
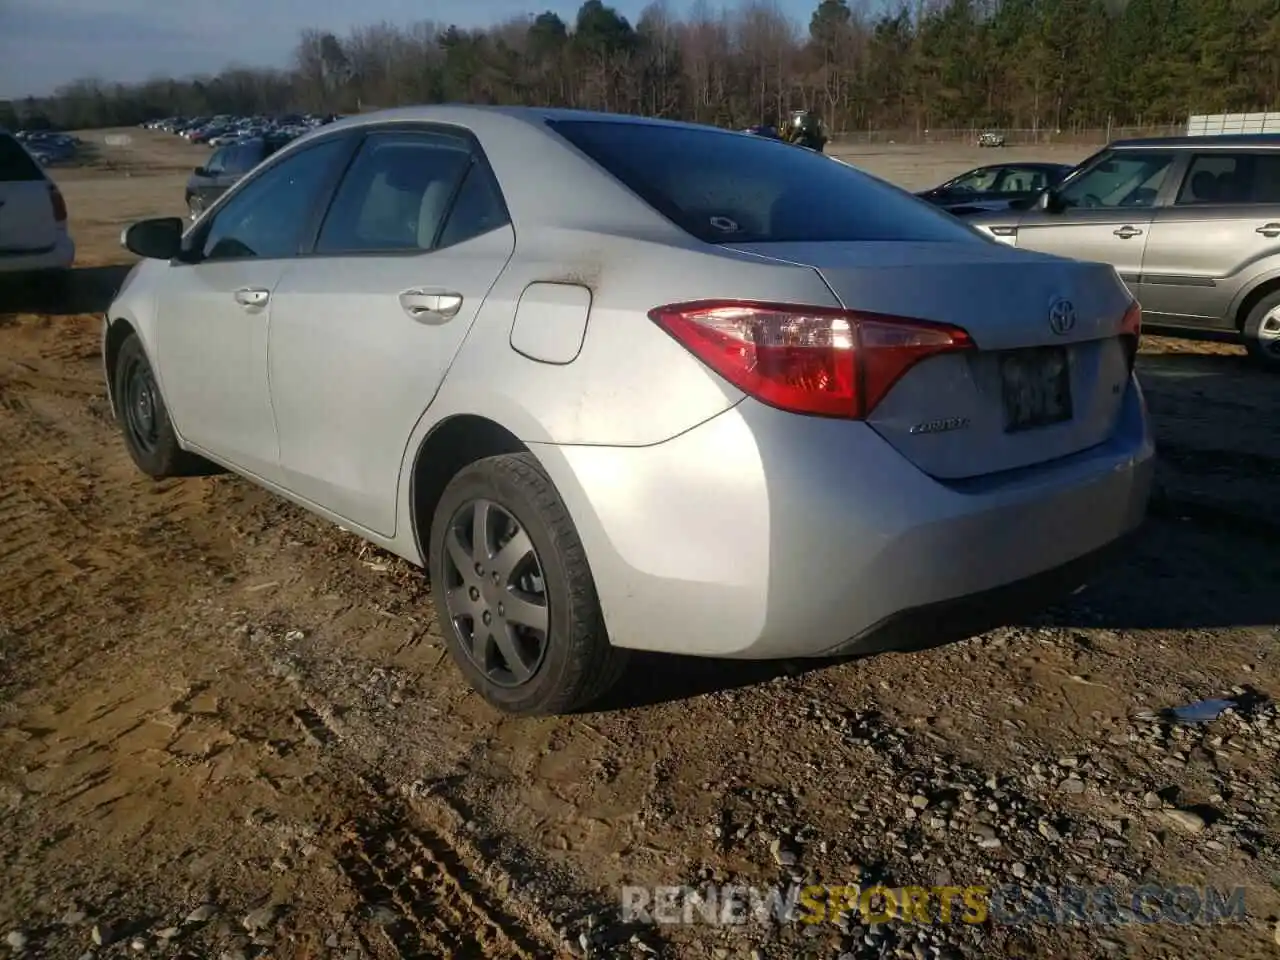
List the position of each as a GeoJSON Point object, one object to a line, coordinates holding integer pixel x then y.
{"type": "Point", "coordinates": [244, 156]}
{"type": "Point", "coordinates": [1120, 179]}
{"type": "Point", "coordinates": [396, 194]}
{"type": "Point", "coordinates": [265, 219]}
{"type": "Point", "coordinates": [217, 163]}
{"type": "Point", "coordinates": [976, 181]}
{"type": "Point", "coordinates": [1022, 180]}
{"type": "Point", "coordinates": [724, 187]}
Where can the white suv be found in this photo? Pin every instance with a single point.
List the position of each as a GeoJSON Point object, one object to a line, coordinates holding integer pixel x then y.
{"type": "Point", "coordinates": [33, 217]}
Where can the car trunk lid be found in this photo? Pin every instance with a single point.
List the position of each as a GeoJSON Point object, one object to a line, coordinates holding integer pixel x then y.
{"type": "Point", "coordinates": [1033, 390]}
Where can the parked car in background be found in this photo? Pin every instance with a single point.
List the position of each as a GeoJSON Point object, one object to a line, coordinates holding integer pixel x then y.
{"type": "Point", "coordinates": [1191, 224]}
{"type": "Point", "coordinates": [764, 130]}
{"type": "Point", "coordinates": [636, 384]}
{"type": "Point", "coordinates": [224, 169]}
{"type": "Point", "coordinates": [991, 139]}
{"type": "Point", "coordinates": [998, 186]}
{"type": "Point", "coordinates": [34, 241]}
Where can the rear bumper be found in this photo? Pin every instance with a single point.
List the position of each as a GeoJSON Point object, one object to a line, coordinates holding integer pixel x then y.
{"type": "Point", "coordinates": [60, 256]}
{"type": "Point", "coordinates": [946, 620]}
{"type": "Point", "coordinates": [760, 534]}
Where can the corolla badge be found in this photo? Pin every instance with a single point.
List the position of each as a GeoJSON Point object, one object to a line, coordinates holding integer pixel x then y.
{"type": "Point", "coordinates": [940, 426]}
{"type": "Point", "coordinates": [1062, 316]}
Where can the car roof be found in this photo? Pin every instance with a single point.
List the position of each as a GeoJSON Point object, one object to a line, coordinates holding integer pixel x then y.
{"type": "Point", "coordinates": [544, 179]}
{"type": "Point", "coordinates": [1216, 142]}
{"type": "Point", "coordinates": [473, 115]}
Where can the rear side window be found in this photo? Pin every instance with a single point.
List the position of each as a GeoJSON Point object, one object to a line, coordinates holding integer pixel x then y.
{"type": "Point", "coordinates": [735, 188]}
{"type": "Point", "coordinates": [478, 209]}
{"type": "Point", "coordinates": [15, 162]}
{"type": "Point", "coordinates": [396, 193]}
{"type": "Point", "coordinates": [1219, 177]}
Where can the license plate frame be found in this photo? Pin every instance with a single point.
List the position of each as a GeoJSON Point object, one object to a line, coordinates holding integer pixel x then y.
{"type": "Point", "coordinates": [1035, 388]}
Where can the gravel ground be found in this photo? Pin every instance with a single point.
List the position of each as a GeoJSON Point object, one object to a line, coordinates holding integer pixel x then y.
{"type": "Point", "coordinates": [229, 730]}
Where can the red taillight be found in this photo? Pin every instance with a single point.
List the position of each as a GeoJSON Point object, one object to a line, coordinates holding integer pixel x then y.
{"type": "Point", "coordinates": [59, 204]}
{"type": "Point", "coordinates": [1131, 331]}
{"type": "Point", "coordinates": [815, 360]}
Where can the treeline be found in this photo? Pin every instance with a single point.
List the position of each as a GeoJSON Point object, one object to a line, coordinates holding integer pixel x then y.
{"type": "Point", "coordinates": [1021, 64]}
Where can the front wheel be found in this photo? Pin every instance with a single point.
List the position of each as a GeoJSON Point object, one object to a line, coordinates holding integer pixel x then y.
{"type": "Point", "coordinates": [513, 593]}
{"type": "Point", "coordinates": [1262, 332]}
{"type": "Point", "coordinates": [143, 418]}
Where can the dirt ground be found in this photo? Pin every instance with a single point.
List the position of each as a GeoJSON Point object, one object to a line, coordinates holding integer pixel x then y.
{"type": "Point", "coordinates": [229, 730]}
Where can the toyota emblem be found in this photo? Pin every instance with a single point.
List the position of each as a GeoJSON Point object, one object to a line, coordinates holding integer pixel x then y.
{"type": "Point", "coordinates": [1062, 316]}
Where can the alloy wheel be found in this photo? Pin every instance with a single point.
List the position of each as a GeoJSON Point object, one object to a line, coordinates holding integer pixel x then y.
{"type": "Point", "coordinates": [495, 594]}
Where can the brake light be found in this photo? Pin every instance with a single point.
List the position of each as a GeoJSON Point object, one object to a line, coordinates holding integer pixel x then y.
{"type": "Point", "coordinates": [1131, 332]}
{"type": "Point", "coordinates": [59, 204]}
{"type": "Point", "coordinates": [814, 360]}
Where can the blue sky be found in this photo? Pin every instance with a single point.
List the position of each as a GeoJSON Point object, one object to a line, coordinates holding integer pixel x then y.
{"type": "Point", "coordinates": [47, 42]}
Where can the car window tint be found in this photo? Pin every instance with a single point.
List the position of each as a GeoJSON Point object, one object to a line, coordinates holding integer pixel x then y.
{"type": "Point", "coordinates": [15, 163]}
{"type": "Point", "coordinates": [396, 193]}
{"type": "Point", "coordinates": [244, 157]}
{"type": "Point", "coordinates": [1122, 179]}
{"type": "Point", "coordinates": [725, 187]}
{"type": "Point", "coordinates": [1231, 178]}
{"type": "Point", "coordinates": [478, 208]}
{"type": "Point", "coordinates": [267, 216]}
{"type": "Point", "coordinates": [1265, 183]}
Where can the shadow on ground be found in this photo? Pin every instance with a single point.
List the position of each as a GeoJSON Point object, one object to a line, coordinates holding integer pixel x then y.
{"type": "Point", "coordinates": [79, 290]}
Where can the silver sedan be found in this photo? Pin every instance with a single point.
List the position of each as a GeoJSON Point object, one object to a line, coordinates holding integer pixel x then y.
{"type": "Point", "coordinates": [625, 384]}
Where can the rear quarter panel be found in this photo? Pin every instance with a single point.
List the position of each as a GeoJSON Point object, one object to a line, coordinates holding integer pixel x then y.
{"type": "Point", "coordinates": [631, 384]}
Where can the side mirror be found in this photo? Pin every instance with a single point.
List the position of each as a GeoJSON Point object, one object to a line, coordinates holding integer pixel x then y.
{"type": "Point", "coordinates": [159, 238]}
{"type": "Point", "coordinates": [200, 172]}
{"type": "Point", "coordinates": [1049, 202]}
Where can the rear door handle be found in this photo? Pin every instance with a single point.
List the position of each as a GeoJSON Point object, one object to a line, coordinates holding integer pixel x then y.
{"type": "Point", "coordinates": [430, 306]}
{"type": "Point", "coordinates": [1125, 232]}
{"type": "Point", "coordinates": [252, 297]}
{"type": "Point", "coordinates": [1269, 230]}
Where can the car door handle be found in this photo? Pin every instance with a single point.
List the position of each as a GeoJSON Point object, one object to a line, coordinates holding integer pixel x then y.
{"type": "Point", "coordinates": [252, 297]}
{"type": "Point", "coordinates": [1269, 230]}
{"type": "Point", "coordinates": [429, 306]}
{"type": "Point", "coordinates": [1126, 232]}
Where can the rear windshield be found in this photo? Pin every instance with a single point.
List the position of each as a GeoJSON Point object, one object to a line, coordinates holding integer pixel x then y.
{"type": "Point", "coordinates": [727, 187]}
{"type": "Point", "coordinates": [15, 162]}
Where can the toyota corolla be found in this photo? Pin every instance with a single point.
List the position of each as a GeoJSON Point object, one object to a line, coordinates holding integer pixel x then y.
{"type": "Point", "coordinates": [625, 384]}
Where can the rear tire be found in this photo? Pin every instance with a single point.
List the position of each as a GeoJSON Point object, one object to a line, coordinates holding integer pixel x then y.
{"type": "Point", "coordinates": [144, 419]}
{"type": "Point", "coordinates": [1262, 332]}
{"type": "Point", "coordinates": [526, 567]}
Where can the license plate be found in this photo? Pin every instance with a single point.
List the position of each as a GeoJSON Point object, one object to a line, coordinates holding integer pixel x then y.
{"type": "Point", "coordinates": [1035, 387]}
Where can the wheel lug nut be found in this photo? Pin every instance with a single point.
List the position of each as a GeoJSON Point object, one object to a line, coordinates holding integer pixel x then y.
{"type": "Point", "coordinates": [487, 618]}
{"type": "Point", "coordinates": [502, 612]}
{"type": "Point", "coordinates": [474, 594]}
{"type": "Point", "coordinates": [479, 570]}
{"type": "Point", "coordinates": [495, 576]}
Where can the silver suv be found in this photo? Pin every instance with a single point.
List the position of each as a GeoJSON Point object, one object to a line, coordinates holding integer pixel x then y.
{"type": "Point", "coordinates": [1191, 224]}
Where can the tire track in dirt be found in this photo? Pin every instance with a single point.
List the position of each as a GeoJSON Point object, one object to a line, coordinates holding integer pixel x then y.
{"type": "Point", "coordinates": [75, 517]}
